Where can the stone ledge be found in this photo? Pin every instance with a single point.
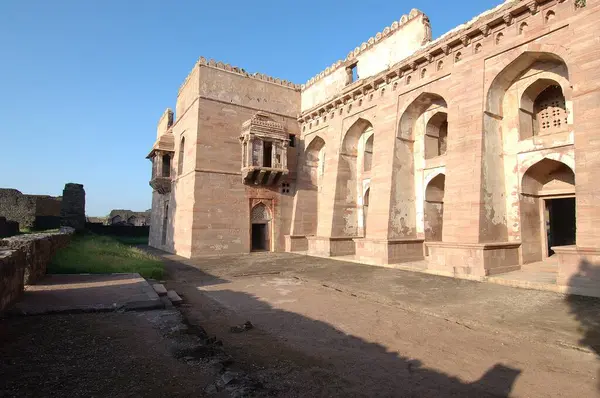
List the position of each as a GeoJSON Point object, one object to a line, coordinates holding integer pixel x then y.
{"type": "Point", "coordinates": [480, 246]}
{"type": "Point", "coordinates": [38, 249]}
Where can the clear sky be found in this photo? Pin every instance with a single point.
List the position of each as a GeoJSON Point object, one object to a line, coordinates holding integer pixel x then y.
{"type": "Point", "coordinates": [83, 82]}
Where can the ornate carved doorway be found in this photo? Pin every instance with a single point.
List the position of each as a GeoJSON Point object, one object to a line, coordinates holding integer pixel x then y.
{"type": "Point", "coordinates": [261, 228]}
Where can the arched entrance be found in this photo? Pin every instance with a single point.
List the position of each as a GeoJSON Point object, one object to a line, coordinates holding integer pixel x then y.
{"type": "Point", "coordinates": [434, 208]}
{"type": "Point", "coordinates": [261, 228]}
{"type": "Point", "coordinates": [547, 209]}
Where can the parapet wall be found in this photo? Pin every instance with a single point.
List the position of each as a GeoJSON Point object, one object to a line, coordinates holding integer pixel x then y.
{"type": "Point", "coordinates": [23, 261]}
{"type": "Point", "coordinates": [395, 43]}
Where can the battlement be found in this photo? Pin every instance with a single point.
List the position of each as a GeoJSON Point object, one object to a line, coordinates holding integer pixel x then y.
{"type": "Point", "coordinates": [240, 71]}
{"type": "Point", "coordinates": [442, 51]}
{"type": "Point", "coordinates": [379, 37]}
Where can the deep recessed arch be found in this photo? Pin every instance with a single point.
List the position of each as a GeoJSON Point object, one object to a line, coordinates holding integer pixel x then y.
{"type": "Point", "coordinates": [434, 208]}
{"type": "Point", "coordinates": [547, 208]}
{"type": "Point", "coordinates": [348, 208]}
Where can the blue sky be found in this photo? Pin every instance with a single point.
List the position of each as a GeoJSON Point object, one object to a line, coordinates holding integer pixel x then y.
{"type": "Point", "coordinates": [83, 82]}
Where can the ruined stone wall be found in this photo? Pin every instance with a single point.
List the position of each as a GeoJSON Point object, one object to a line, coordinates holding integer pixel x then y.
{"type": "Point", "coordinates": [38, 249]}
{"type": "Point", "coordinates": [23, 261]}
{"type": "Point", "coordinates": [8, 228]}
{"type": "Point", "coordinates": [72, 212]}
{"type": "Point", "coordinates": [11, 277]}
{"type": "Point", "coordinates": [30, 211]}
{"type": "Point", "coordinates": [136, 218]}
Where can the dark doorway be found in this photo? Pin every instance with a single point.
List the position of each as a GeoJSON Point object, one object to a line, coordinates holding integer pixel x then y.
{"type": "Point", "coordinates": [267, 154]}
{"type": "Point", "coordinates": [259, 237]}
{"type": "Point", "coordinates": [560, 224]}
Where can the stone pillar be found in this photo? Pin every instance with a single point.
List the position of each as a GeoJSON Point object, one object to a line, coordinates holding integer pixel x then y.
{"type": "Point", "coordinates": [72, 212]}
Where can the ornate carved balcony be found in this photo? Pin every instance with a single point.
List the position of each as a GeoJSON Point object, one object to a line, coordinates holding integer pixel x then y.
{"type": "Point", "coordinates": [264, 150]}
{"type": "Point", "coordinates": [162, 185]}
{"type": "Point", "coordinates": [257, 175]}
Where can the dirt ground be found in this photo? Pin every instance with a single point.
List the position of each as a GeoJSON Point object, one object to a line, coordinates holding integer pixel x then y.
{"type": "Point", "coordinates": [94, 355]}
{"type": "Point", "coordinates": [320, 328]}
{"type": "Point", "coordinates": [329, 328]}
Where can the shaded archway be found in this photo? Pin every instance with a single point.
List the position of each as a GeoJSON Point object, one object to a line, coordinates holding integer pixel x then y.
{"type": "Point", "coordinates": [116, 220]}
{"type": "Point", "coordinates": [436, 134]}
{"type": "Point", "coordinates": [547, 209]}
{"type": "Point", "coordinates": [434, 208]}
{"type": "Point", "coordinates": [422, 133]}
{"type": "Point", "coordinates": [260, 219]}
{"type": "Point", "coordinates": [132, 220]}
{"type": "Point", "coordinates": [311, 184]}
{"type": "Point", "coordinates": [348, 220]}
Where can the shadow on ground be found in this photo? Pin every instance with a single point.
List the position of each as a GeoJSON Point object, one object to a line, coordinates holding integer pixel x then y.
{"type": "Point", "coordinates": [582, 308]}
{"type": "Point", "coordinates": [370, 369]}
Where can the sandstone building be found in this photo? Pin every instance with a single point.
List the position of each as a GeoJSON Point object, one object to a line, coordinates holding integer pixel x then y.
{"type": "Point", "coordinates": [478, 151]}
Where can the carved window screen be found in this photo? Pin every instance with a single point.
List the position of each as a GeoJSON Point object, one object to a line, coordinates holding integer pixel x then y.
{"type": "Point", "coordinates": [260, 214]}
{"type": "Point", "coordinates": [550, 111]}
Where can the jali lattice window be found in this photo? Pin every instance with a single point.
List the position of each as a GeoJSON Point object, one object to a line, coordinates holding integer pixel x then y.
{"type": "Point", "coordinates": [550, 111]}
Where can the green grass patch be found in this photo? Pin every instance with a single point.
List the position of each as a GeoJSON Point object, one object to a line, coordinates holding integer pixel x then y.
{"type": "Point", "coordinates": [132, 240]}
{"type": "Point", "coordinates": [96, 254]}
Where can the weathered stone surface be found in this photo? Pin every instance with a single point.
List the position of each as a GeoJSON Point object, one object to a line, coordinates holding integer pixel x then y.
{"type": "Point", "coordinates": [38, 250]}
{"type": "Point", "coordinates": [159, 289]}
{"type": "Point", "coordinates": [11, 276]}
{"type": "Point", "coordinates": [30, 211]}
{"type": "Point", "coordinates": [174, 297]}
{"type": "Point", "coordinates": [72, 212]}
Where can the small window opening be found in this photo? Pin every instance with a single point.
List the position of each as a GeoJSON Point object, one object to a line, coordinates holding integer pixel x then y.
{"type": "Point", "coordinates": [267, 154]}
{"type": "Point", "coordinates": [166, 166]}
{"type": "Point", "coordinates": [352, 73]}
{"type": "Point", "coordinates": [292, 141]}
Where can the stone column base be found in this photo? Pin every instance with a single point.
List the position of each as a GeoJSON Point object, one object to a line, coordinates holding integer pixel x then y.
{"type": "Point", "coordinates": [296, 243]}
{"type": "Point", "coordinates": [330, 246]}
{"type": "Point", "coordinates": [388, 251]}
{"type": "Point", "coordinates": [579, 269]}
{"type": "Point", "coordinates": [476, 259]}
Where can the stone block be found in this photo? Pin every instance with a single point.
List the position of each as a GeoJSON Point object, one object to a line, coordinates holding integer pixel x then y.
{"type": "Point", "coordinates": [11, 277]}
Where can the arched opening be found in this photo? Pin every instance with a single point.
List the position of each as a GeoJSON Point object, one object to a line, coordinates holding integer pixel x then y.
{"type": "Point", "coordinates": [434, 208]}
{"type": "Point", "coordinates": [180, 158]}
{"type": "Point", "coordinates": [132, 220]}
{"type": "Point", "coordinates": [515, 106]}
{"type": "Point", "coordinates": [542, 109]}
{"type": "Point", "coordinates": [436, 134]}
{"type": "Point", "coordinates": [366, 209]}
{"type": "Point", "coordinates": [422, 134]}
{"type": "Point", "coordinates": [260, 219]}
{"type": "Point", "coordinates": [368, 154]}
{"type": "Point", "coordinates": [353, 175]}
{"type": "Point", "coordinates": [166, 166]}
{"type": "Point", "coordinates": [116, 220]}
{"type": "Point", "coordinates": [547, 209]}
{"type": "Point", "coordinates": [311, 185]}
